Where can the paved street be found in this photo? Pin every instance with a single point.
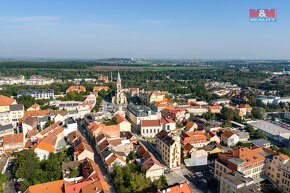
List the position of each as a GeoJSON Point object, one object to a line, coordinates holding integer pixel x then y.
{"type": "Point", "coordinates": [99, 162]}
{"type": "Point", "coordinates": [9, 185]}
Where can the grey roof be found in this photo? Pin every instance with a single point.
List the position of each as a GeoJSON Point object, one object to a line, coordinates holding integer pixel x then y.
{"type": "Point", "coordinates": [260, 142]}
{"type": "Point", "coordinates": [236, 160]}
{"type": "Point", "coordinates": [6, 127]}
{"type": "Point", "coordinates": [269, 127]}
{"type": "Point", "coordinates": [242, 134]}
{"type": "Point", "coordinates": [237, 178]}
{"type": "Point", "coordinates": [265, 154]}
{"type": "Point", "coordinates": [42, 119]}
{"type": "Point", "coordinates": [139, 111]}
{"type": "Point", "coordinates": [35, 91]}
{"type": "Point", "coordinates": [16, 107]}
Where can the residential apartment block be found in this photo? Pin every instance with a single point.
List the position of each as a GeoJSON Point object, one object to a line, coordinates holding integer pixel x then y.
{"type": "Point", "coordinates": [37, 93]}
{"type": "Point", "coordinates": [169, 148]}
{"type": "Point", "coordinates": [254, 163]}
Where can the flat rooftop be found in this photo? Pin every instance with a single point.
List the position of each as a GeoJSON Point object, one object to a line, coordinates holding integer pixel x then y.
{"type": "Point", "coordinates": [269, 127]}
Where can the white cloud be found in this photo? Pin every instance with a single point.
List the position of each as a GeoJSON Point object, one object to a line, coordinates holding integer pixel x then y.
{"type": "Point", "coordinates": [155, 22]}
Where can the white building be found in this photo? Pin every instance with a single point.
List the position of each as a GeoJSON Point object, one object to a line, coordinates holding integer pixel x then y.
{"type": "Point", "coordinates": [273, 132]}
{"type": "Point", "coordinates": [168, 124]}
{"type": "Point", "coordinates": [37, 93]}
{"type": "Point", "coordinates": [70, 126]}
{"type": "Point", "coordinates": [198, 158]}
{"type": "Point", "coordinates": [149, 128]}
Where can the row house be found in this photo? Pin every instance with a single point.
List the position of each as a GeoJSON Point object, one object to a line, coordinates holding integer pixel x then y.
{"type": "Point", "coordinates": [91, 180]}
{"type": "Point", "coordinates": [154, 169]}
{"type": "Point", "coordinates": [37, 93]}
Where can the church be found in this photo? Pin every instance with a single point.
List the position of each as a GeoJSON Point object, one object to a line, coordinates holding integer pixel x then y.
{"type": "Point", "coordinates": [118, 96]}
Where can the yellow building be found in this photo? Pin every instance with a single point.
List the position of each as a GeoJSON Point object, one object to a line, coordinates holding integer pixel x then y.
{"type": "Point", "coordinates": [5, 103]}
{"type": "Point", "coordinates": [16, 112]}
{"type": "Point", "coordinates": [169, 148]}
{"type": "Point", "coordinates": [212, 148]}
{"type": "Point", "coordinates": [236, 182]}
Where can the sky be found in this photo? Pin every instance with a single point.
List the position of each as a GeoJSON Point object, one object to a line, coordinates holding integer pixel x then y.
{"type": "Point", "coordinates": [164, 29]}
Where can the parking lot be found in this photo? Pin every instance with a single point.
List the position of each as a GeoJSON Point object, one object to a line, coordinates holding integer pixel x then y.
{"type": "Point", "coordinates": [199, 177]}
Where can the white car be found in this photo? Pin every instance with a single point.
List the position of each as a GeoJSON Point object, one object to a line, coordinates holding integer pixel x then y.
{"type": "Point", "coordinates": [20, 180]}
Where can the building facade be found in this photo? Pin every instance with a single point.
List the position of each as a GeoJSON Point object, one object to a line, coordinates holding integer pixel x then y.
{"type": "Point", "coordinates": [169, 148]}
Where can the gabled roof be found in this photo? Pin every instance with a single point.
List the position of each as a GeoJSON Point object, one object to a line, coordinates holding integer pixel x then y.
{"type": "Point", "coordinates": [190, 124]}
{"type": "Point", "coordinates": [150, 123]}
{"type": "Point", "coordinates": [36, 113]}
{"type": "Point", "coordinates": [50, 128]}
{"type": "Point", "coordinates": [151, 162]}
{"type": "Point", "coordinates": [34, 106]}
{"type": "Point", "coordinates": [228, 134]}
{"type": "Point", "coordinates": [31, 121]}
{"type": "Point", "coordinates": [13, 138]}
{"type": "Point", "coordinates": [166, 121]}
{"type": "Point", "coordinates": [179, 188]}
{"type": "Point", "coordinates": [44, 146]}
{"type": "Point", "coordinates": [121, 118]}
{"type": "Point", "coordinates": [54, 186]}
{"type": "Point", "coordinates": [6, 101]}
{"type": "Point", "coordinates": [79, 88]}
{"type": "Point", "coordinates": [113, 157]}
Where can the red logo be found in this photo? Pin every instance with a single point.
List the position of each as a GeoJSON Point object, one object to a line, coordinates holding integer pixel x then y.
{"type": "Point", "coordinates": [261, 13]}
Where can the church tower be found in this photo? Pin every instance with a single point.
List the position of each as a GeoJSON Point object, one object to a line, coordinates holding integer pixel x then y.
{"type": "Point", "coordinates": [120, 97]}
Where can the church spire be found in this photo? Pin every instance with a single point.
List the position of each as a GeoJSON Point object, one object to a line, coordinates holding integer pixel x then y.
{"type": "Point", "coordinates": [119, 77]}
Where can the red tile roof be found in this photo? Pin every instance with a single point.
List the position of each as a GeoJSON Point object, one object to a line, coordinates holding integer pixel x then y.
{"type": "Point", "coordinates": [113, 157]}
{"type": "Point", "coordinates": [228, 134]}
{"type": "Point", "coordinates": [44, 146]}
{"type": "Point", "coordinates": [13, 138]}
{"type": "Point", "coordinates": [34, 106]}
{"type": "Point", "coordinates": [150, 123]}
{"type": "Point", "coordinates": [166, 121]}
{"type": "Point", "coordinates": [6, 101]}
{"type": "Point", "coordinates": [180, 188]}
{"type": "Point", "coordinates": [101, 88]}
{"type": "Point", "coordinates": [77, 88]}
{"type": "Point", "coordinates": [121, 118]}
{"type": "Point", "coordinates": [55, 187]}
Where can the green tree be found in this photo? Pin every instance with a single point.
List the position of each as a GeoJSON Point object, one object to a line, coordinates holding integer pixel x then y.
{"type": "Point", "coordinates": [285, 151]}
{"type": "Point", "coordinates": [48, 123]}
{"type": "Point", "coordinates": [26, 100]}
{"type": "Point", "coordinates": [259, 135]}
{"type": "Point", "coordinates": [257, 113]}
{"type": "Point", "coordinates": [251, 130]}
{"type": "Point", "coordinates": [113, 121]}
{"type": "Point", "coordinates": [26, 164]}
{"type": "Point", "coordinates": [74, 173]}
{"type": "Point", "coordinates": [3, 179]}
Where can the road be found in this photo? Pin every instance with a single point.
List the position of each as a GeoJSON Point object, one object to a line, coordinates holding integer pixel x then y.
{"type": "Point", "coordinates": [98, 160]}
{"type": "Point", "coordinates": [9, 185]}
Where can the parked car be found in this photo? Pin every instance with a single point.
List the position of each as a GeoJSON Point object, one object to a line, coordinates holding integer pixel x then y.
{"type": "Point", "coordinates": [195, 174]}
